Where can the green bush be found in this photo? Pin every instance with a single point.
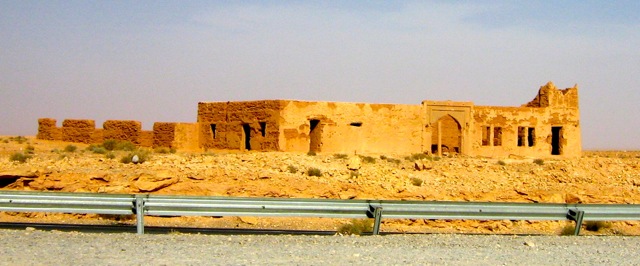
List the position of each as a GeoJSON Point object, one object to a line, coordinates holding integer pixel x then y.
{"type": "Point", "coordinates": [110, 155]}
{"type": "Point", "coordinates": [416, 181]}
{"type": "Point", "coordinates": [143, 156]}
{"type": "Point", "coordinates": [19, 139]}
{"type": "Point", "coordinates": [340, 156]}
{"type": "Point", "coordinates": [596, 226]}
{"type": "Point", "coordinates": [390, 159]}
{"type": "Point", "coordinates": [70, 148]}
{"type": "Point", "coordinates": [109, 144]}
{"type": "Point", "coordinates": [30, 149]}
{"type": "Point", "coordinates": [538, 161]}
{"type": "Point", "coordinates": [125, 146]}
{"type": "Point", "coordinates": [292, 169]}
{"type": "Point", "coordinates": [417, 156]}
{"type": "Point", "coordinates": [368, 159]}
{"type": "Point", "coordinates": [314, 172]}
{"type": "Point", "coordinates": [19, 157]}
{"type": "Point", "coordinates": [162, 150]}
{"type": "Point", "coordinates": [356, 227]}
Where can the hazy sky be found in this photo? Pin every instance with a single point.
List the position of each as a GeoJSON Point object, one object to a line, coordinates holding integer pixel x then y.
{"type": "Point", "coordinates": [155, 60]}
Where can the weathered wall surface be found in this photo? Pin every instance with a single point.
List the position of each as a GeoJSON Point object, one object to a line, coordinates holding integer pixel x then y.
{"type": "Point", "coordinates": [186, 136]}
{"type": "Point", "coordinates": [145, 138]}
{"type": "Point", "coordinates": [163, 134]}
{"type": "Point", "coordinates": [239, 125]}
{"type": "Point", "coordinates": [78, 130]}
{"type": "Point", "coordinates": [124, 130]}
{"type": "Point", "coordinates": [48, 130]}
{"type": "Point", "coordinates": [529, 131]}
{"type": "Point", "coordinates": [351, 127]}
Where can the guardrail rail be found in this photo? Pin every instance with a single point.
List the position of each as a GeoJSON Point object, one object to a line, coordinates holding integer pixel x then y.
{"type": "Point", "coordinates": [162, 205]}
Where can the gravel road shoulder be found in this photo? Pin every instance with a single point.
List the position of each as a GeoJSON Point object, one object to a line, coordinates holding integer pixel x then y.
{"type": "Point", "coordinates": [29, 247]}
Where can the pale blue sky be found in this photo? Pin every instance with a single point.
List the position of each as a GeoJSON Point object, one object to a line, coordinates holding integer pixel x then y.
{"type": "Point", "coordinates": [155, 60]}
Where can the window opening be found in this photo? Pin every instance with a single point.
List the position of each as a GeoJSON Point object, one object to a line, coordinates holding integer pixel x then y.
{"type": "Point", "coordinates": [246, 128]}
{"type": "Point", "coordinates": [315, 135]}
{"type": "Point", "coordinates": [485, 135]}
{"type": "Point", "coordinates": [263, 128]}
{"type": "Point", "coordinates": [556, 136]}
{"type": "Point", "coordinates": [214, 133]}
{"type": "Point", "coordinates": [356, 124]}
{"type": "Point", "coordinates": [531, 138]}
{"type": "Point", "coordinates": [497, 136]}
{"type": "Point", "coordinates": [521, 136]}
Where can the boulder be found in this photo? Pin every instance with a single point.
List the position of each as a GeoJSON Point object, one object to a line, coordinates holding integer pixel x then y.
{"type": "Point", "coordinates": [354, 163]}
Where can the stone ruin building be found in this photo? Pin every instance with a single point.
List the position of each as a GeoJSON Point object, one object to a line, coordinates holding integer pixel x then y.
{"type": "Point", "coordinates": [547, 126]}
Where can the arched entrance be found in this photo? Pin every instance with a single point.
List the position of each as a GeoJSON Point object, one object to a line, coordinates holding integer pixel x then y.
{"type": "Point", "coordinates": [446, 131]}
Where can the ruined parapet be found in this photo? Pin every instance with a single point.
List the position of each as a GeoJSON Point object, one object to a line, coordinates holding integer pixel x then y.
{"type": "Point", "coordinates": [47, 129]}
{"type": "Point", "coordinates": [163, 134]}
{"type": "Point", "coordinates": [550, 96]}
{"type": "Point", "coordinates": [78, 130]}
{"type": "Point", "coordinates": [124, 130]}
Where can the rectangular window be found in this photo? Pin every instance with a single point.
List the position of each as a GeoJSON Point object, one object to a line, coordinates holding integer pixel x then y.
{"type": "Point", "coordinates": [521, 136]}
{"type": "Point", "coordinates": [263, 128]}
{"type": "Point", "coordinates": [531, 139]}
{"type": "Point", "coordinates": [485, 135]}
{"type": "Point", "coordinates": [213, 131]}
{"type": "Point", "coordinates": [497, 136]}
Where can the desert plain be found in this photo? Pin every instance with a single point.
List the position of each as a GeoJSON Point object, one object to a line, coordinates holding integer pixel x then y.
{"type": "Point", "coordinates": [595, 177]}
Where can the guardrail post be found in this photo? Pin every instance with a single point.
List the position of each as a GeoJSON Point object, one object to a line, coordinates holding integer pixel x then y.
{"type": "Point", "coordinates": [139, 214]}
{"type": "Point", "coordinates": [577, 216]}
{"type": "Point", "coordinates": [377, 215]}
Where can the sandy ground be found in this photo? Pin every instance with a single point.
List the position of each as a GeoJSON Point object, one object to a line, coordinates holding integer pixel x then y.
{"type": "Point", "coordinates": [596, 177]}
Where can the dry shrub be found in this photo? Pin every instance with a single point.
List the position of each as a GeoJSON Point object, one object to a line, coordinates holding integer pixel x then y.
{"type": "Point", "coordinates": [314, 172]}
{"type": "Point", "coordinates": [19, 157]}
{"type": "Point", "coordinates": [356, 227]}
{"type": "Point", "coordinates": [416, 181]}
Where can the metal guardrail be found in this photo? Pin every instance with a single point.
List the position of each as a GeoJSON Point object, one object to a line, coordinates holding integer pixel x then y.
{"type": "Point", "coordinates": [160, 205]}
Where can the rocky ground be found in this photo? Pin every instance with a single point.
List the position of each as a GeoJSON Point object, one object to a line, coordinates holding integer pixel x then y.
{"type": "Point", "coordinates": [596, 177]}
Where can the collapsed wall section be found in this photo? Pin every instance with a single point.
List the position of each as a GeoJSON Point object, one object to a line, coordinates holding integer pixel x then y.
{"type": "Point", "coordinates": [250, 125]}
{"type": "Point", "coordinates": [123, 130]}
{"type": "Point", "coordinates": [48, 130]}
{"type": "Point", "coordinates": [545, 127]}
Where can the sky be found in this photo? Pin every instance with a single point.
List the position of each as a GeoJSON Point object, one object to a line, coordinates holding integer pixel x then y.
{"type": "Point", "coordinates": [153, 61]}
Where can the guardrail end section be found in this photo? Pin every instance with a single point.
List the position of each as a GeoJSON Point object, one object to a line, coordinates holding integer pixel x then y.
{"type": "Point", "coordinates": [577, 216]}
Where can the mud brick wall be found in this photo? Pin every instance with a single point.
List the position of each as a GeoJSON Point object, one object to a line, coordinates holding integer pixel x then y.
{"type": "Point", "coordinates": [47, 129]}
{"type": "Point", "coordinates": [250, 125]}
{"type": "Point", "coordinates": [163, 134]}
{"type": "Point", "coordinates": [124, 130]}
{"type": "Point", "coordinates": [145, 138]}
{"type": "Point", "coordinates": [78, 130]}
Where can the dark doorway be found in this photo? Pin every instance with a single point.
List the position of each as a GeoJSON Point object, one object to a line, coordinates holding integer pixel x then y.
{"type": "Point", "coordinates": [246, 128]}
{"type": "Point", "coordinates": [315, 135]}
{"type": "Point", "coordinates": [556, 137]}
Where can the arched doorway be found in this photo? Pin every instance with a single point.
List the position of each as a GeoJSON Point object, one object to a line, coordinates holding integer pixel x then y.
{"type": "Point", "coordinates": [451, 131]}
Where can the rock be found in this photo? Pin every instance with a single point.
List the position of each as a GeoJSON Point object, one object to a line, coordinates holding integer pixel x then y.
{"type": "Point", "coordinates": [113, 189]}
{"type": "Point", "coordinates": [249, 220]}
{"type": "Point", "coordinates": [572, 198]}
{"type": "Point", "coordinates": [354, 163]}
{"type": "Point", "coordinates": [18, 173]}
{"type": "Point", "coordinates": [529, 244]}
{"type": "Point", "coordinates": [423, 164]}
{"type": "Point", "coordinates": [150, 183]}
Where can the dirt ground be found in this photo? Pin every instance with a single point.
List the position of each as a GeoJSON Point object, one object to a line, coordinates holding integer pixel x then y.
{"type": "Point", "coordinates": [596, 177]}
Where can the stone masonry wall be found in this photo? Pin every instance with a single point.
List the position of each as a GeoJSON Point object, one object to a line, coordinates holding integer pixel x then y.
{"type": "Point", "coordinates": [123, 130]}
{"type": "Point", "coordinates": [48, 130]}
{"type": "Point", "coordinates": [78, 130]}
{"type": "Point", "coordinates": [163, 134]}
